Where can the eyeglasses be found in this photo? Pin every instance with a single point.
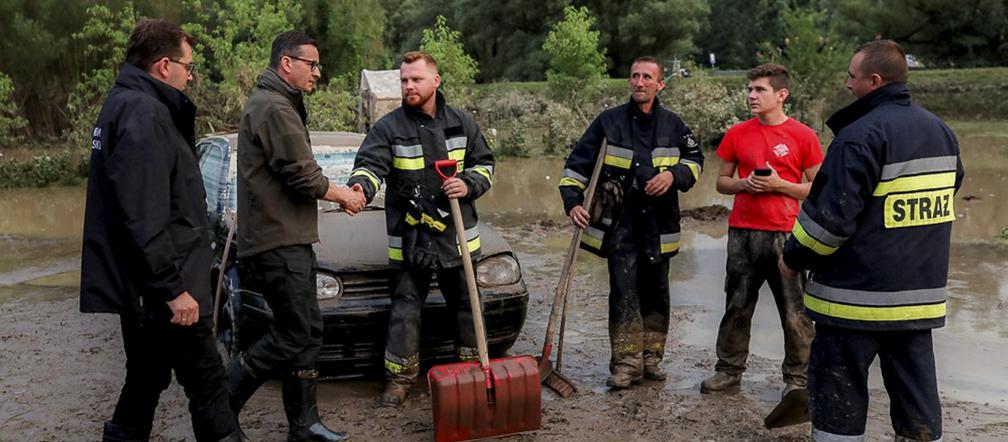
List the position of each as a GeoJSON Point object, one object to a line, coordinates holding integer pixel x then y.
{"type": "Point", "coordinates": [190, 67]}
{"type": "Point", "coordinates": [312, 64]}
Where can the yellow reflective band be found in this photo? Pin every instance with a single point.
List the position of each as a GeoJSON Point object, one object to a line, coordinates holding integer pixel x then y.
{"type": "Point", "coordinates": [367, 174]}
{"type": "Point", "coordinates": [664, 161]}
{"type": "Point", "coordinates": [695, 168]}
{"type": "Point", "coordinates": [408, 163]}
{"type": "Point", "coordinates": [395, 254]}
{"type": "Point", "coordinates": [432, 223]}
{"type": "Point", "coordinates": [591, 241]}
{"type": "Point", "coordinates": [669, 247]}
{"type": "Point", "coordinates": [394, 368]}
{"type": "Point", "coordinates": [919, 208]}
{"type": "Point", "coordinates": [919, 182]}
{"type": "Point", "coordinates": [457, 154]}
{"type": "Point", "coordinates": [411, 220]}
{"type": "Point", "coordinates": [808, 241]}
{"type": "Point", "coordinates": [622, 163]}
{"type": "Point", "coordinates": [473, 245]}
{"type": "Point", "coordinates": [861, 313]}
{"type": "Point", "coordinates": [568, 181]}
{"type": "Point", "coordinates": [485, 173]}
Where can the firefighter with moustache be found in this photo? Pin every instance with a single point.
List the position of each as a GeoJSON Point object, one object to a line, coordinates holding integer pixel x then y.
{"type": "Point", "coordinates": [649, 156]}
{"type": "Point", "coordinates": [400, 152]}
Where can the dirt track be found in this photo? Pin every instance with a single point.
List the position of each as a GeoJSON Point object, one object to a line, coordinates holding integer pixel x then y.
{"type": "Point", "coordinates": [60, 372]}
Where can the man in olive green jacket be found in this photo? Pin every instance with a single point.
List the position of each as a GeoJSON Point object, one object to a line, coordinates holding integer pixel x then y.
{"type": "Point", "coordinates": [279, 183]}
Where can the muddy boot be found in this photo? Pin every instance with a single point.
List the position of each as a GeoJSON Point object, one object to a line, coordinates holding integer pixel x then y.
{"type": "Point", "coordinates": [395, 393]}
{"type": "Point", "coordinates": [400, 373]}
{"type": "Point", "coordinates": [625, 370]}
{"type": "Point", "coordinates": [653, 369]}
{"type": "Point", "coordinates": [242, 384]}
{"type": "Point", "coordinates": [299, 401]}
{"type": "Point", "coordinates": [721, 382]}
{"type": "Point", "coordinates": [789, 388]}
{"type": "Point", "coordinates": [118, 433]}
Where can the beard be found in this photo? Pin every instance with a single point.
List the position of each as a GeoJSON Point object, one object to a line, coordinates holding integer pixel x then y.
{"type": "Point", "coordinates": [416, 99]}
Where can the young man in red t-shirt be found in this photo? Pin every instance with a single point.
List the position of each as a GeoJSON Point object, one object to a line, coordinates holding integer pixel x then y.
{"type": "Point", "coordinates": [770, 152]}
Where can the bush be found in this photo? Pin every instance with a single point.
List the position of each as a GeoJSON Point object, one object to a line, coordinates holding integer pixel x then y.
{"type": "Point", "coordinates": [66, 168]}
{"type": "Point", "coordinates": [332, 108]}
{"type": "Point", "coordinates": [705, 106]}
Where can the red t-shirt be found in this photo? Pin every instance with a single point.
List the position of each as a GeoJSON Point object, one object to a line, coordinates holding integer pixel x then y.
{"type": "Point", "coordinates": [790, 148]}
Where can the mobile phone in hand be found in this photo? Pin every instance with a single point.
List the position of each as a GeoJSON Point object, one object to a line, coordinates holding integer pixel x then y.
{"type": "Point", "coordinates": [763, 171]}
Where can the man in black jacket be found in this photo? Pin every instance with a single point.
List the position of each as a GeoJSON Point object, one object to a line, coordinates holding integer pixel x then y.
{"type": "Point", "coordinates": [875, 233]}
{"type": "Point", "coordinates": [402, 148]}
{"type": "Point", "coordinates": [650, 155]}
{"type": "Point", "coordinates": [146, 252]}
{"type": "Point", "coordinates": [279, 185]}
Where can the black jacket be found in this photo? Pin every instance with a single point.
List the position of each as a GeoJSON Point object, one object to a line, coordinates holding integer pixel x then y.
{"type": "Point", "coordinates": [145, 223]}
{"type": "Point", "coordinates": [630, 160]}
{"type": "Point", "coordinates": [402, 148]}
{"type": "Point", "coordinates": [876, 226]}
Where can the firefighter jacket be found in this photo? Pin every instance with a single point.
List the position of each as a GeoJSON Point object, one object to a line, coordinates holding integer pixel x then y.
{"type": "Point", "coordinates": [399, 152]}
{"type": "Point", "coordinates": [146, 236]}
{"type": "Point", "coordinates": [628, 162]}
{"type": "Point", "coordinates": [876, 226]}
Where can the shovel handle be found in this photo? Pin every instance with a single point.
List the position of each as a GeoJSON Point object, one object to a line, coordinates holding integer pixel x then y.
{"type": "Point", "coordinates": [439, 165]}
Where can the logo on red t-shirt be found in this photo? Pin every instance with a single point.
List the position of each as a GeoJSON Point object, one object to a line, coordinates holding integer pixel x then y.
{"type": "Point", "coordinates": [781, 150]}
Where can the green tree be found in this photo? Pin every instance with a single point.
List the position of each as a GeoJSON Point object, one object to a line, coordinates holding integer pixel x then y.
{"type": "Point", "coordinates": [350, 35]}
{"type": "Point", "coordinates": [11, 122]}
{"type": "Point", "coordinates": [816, 55]}
{"type": "Point", "coordinates": [105, 34]}
{"type": "Point", "coordinates": [458, 70]}
{"type": "Point", "coordinates": [959, 33]}
{"type": "Point", "coordinates": [734, 36]}
{"type": "Point", "coordinates": [661, 28]}
{"type": "Point", "coordinates": [576, 62]}
{"type": "Point", "coordinates": [235, 51]}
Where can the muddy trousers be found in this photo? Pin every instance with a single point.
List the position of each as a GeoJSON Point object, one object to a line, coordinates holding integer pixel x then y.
{"type": "Point", "coordinates": [838, 383]}
{"type": "Point", "coordinates": [153, 351]}
{"type": "Point", "coordinates": [752, 260]}
{"type": "Point", "coordinates": [410, 288]}
{"type": "Point", "coordinates": [638, 310]}
{"type": "Point", "coordinates": [285, 276]}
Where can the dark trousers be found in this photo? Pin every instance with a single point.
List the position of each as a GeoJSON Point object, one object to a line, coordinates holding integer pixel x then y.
{"type": "Point", "coordinates": [285, 276]}
{"type": "Point", "coordinates": [410, 288]}
{"type": "Point", "coordinates": [153, 351]}
{"type": "Point", "coordinates": [638, 303]}
{"type": "Point", "coordinates": [838, 382]}
{"type": "Point", "coordinates": [752, 260]}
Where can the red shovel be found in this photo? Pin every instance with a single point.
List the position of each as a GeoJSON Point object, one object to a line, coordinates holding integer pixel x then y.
{"type": "Point", "coordinates": [493, 397]}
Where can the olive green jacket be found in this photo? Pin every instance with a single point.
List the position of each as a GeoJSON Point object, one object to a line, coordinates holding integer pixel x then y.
{"type": "Point", "coordinates": [279, 181]}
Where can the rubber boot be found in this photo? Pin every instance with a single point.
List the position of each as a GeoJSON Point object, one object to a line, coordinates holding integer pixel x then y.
{"type": "Point", "coordinates": [400, 374]}
{"type": "Point", "coordinates": [653, 369]}
{"type": "Point", "coordinates": [625, 370]}
{"type": "Point", "coordinates": [721, 382]}
{"type": "Point", "coordinates": [300, 404]}
{"type": "Point", "coordinates": [118, 433]}
{"type": "Point", "coordinates": [242, 384]}
{"type": "Point", "coordinates": [395, 393]}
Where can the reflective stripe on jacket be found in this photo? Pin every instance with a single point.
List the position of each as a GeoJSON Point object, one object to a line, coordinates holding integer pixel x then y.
{"type": "Point", "coordinates": [876, 226]}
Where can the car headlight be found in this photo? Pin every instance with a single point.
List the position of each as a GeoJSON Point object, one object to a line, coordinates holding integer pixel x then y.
{"type": "Point", "coordinates": [497, 270]}
{"type": "Point", "coordinates": [329, 287]}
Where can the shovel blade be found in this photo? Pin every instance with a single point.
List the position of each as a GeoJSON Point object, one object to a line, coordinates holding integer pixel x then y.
{"type": "Point", "coordinates": [792, 410]}
{"type": "Point", "coordinates": [560, 384]}
{"type": "Point", "coordinates": [465, 409]}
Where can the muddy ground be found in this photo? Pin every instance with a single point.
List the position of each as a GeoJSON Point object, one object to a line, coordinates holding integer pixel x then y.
{"type": "Point", "coordinates": [60, 373]}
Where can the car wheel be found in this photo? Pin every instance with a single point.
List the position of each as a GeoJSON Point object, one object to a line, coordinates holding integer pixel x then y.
{"type": "Point", "coordinates": [227, 326]}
